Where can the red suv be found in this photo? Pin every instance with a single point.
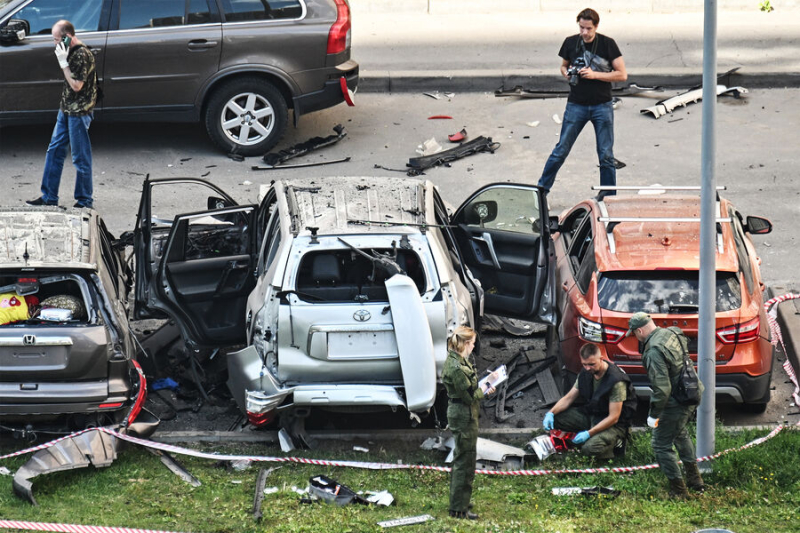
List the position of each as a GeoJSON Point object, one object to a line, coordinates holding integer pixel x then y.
{"type": "Point", "coordinates": [613, 263]}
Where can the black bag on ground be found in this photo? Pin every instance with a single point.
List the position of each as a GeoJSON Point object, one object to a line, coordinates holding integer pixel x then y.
{"type": "Point", "coordinates": [687, 389]}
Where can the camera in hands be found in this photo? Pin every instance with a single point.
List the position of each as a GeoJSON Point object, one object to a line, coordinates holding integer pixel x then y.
{"type": "Point", "coordinates": [574, 70]}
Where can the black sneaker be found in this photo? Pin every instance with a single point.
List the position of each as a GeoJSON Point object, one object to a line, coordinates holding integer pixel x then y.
{"type": "Point", "coordinates": [79, 205]}
{"type": "Point", "coordinates": [40, 201]}
{"type": "Point", "coordinates": [464, 515]}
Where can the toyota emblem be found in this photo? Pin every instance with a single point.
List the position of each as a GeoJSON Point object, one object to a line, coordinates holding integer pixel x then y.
{"type": "Point", "coordinates": [362, 315]}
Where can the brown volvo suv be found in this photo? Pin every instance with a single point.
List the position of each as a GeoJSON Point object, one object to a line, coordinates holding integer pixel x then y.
{"type": "Point", "coordinates": [237, 66]}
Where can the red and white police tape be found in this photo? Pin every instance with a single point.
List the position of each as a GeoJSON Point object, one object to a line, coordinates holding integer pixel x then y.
{"type": "Point", "coordinates": [70, 528]}
{"type": "Point", "coordinates": [777, 338]}
{"type": "Point", "coordinates": [369, 465]}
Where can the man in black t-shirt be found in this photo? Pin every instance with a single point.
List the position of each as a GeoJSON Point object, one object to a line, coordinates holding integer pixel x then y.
{"type": "Point", "coordinates": [591, 62]}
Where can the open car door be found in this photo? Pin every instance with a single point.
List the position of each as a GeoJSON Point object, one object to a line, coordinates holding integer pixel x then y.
{"type": "Point", "coordinates": [503, 235]}
{"type": "Point", "coordinates": [194, 266]}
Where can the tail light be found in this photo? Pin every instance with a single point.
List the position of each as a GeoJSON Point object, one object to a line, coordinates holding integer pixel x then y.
{"type": "Point", "coordinates": [339, 35]}
{"type": "Point", "coordinates": [262, 419]}
{"type": "Point", "coordinates": [594, 332]}
{"type": "Point", "coordinates": [746, 332]}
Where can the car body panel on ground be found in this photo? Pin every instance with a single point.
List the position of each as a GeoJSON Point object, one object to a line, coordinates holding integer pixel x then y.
{"type": "Point", "coordinates": [352, 285]}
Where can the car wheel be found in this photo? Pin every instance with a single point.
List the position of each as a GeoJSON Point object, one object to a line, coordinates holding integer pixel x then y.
{"type": "Point", "coordinates": [247, 116]}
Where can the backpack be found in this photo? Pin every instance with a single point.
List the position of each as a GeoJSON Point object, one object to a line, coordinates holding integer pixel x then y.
{"type": "Point", "coordinates": [686, 390]}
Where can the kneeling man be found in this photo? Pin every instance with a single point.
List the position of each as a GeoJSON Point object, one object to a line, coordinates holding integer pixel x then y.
{"type": "Point", "coordinates": [609, 404]}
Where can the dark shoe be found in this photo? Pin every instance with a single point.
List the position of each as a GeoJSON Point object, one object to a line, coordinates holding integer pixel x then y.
{"type": "Point", "coordinates": [40, 201]}
{"type": "Point", "coordinates": [463, 515]}
{"type": "Point", "coordinates": [693, 478]}
{"type": "Point", "coordinates": [677, 489]}
{"type": "Point", "coordinates": [79, 205]}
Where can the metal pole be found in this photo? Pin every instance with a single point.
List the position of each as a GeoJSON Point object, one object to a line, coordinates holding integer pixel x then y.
{"type": "Point", "coordinates": [707, 320]}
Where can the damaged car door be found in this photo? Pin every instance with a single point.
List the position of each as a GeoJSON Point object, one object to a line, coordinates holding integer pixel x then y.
{"type": "Point", "coordinates": [504, 237]}
{"type": "Point", "coordinates": [195, 267]}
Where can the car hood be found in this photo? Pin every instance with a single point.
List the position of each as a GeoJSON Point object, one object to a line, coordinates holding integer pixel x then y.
{"type": "Point", "coordinates": [45, 237]}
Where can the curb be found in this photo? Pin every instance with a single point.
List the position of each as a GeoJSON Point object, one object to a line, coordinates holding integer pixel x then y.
{"type": "Point", "coordinates": [789, 322]}
{"type": "Point", "coordinates": [489, 80]}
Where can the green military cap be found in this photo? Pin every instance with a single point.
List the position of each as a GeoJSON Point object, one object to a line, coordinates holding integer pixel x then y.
{"type": "Point", "coordinates": [637, 321]}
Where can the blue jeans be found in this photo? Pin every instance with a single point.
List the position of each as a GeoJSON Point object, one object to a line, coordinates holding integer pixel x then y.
{"type": "Point", "coordinates": [575, 118]}
{"type": "Point", "coordinates": [72, 131]}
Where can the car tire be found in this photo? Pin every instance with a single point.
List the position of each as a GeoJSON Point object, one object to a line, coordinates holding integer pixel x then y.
{"type": "Point", "coordinates": [262, 111]}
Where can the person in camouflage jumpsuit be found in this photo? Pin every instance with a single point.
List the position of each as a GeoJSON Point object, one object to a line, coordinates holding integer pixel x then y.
{"type": "Point", "coordinates": [662, 352]}
{"type": "Point", "coordinates": [75, 114]}
{"type": "Point", "coordinates": [461, 382]}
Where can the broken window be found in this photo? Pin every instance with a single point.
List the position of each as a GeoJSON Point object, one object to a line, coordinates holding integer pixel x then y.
{"type": "Point", "coordinates": [55, 299]}
{"type": "Point", "coordinates": [507, 209]}
{"type": "Point", "coordinates": [346, 276]}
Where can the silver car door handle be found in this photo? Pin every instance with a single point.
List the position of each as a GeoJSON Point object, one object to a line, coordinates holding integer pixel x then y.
{"type": "Point", "coordinates": [487, 239]}
{"type": "Point", "coordinates": [201, 45]}
{"type": "Point", "coordinates": [96, 51]}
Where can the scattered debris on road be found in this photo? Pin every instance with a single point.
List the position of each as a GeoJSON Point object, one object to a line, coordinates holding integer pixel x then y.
{"type": "Point", "coordinates": [689, 97]}
{"type": "Point", "coordinates": [585, 491]}
{"type": "Point", "coordinates": [418, 165]}
{"type": "Point", "coordinates": [409, 520]}
{"type": "Point", "coordinates": [458, 136]}
{"type": "Point", "coordinates": [315, 143]}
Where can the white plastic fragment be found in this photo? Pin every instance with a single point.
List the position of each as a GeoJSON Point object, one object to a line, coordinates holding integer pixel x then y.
{"type": "Point", "coordinates": [271, 490]}
{"type": "Point", "coordinates": [247, 182]}
{"type": "Point", "coordinates": [556, 119]}
{"type": "Point", "coordinates": [406, 521]}
{"type": "Point", "coordinates": [383, 497]}
{"type": "Point", "coordinates": [429, 147]}
{"type": "Point", "coordinates": [533, 124]}
{"type": "Point", "coordinates": [360, 449]}
{"type": "Point", "coordinates": [4, 471]}
{"type": "Point", "coordinates": [286, 441]}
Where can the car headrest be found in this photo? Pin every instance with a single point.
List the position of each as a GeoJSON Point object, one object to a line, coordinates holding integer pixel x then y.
{"type": "Point", "coordinates": [325, 269]}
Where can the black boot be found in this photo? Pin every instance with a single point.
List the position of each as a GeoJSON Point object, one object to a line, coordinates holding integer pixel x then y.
{"type": "Point", "coordinates": [693, 478]}
{"type": "Point", "coordinates": [677, 489]}
{"type": "Point", "coordinates": [464, 514]}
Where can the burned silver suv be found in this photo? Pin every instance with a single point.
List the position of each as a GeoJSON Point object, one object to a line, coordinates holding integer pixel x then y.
{"type": "Point", "coordinates": [343, 289]}
{"type": "Point", "coordinates": [237, 66]}
{"type": "Point", "coordinates": [67, 356]}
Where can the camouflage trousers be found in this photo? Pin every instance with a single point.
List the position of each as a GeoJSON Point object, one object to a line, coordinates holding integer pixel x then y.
{"type": "Point", "coordinates": [671, 434]}
{"type": "Point", "coordinates": [600, 445]}
{"type": "Point", "coordinates": [462, 475]}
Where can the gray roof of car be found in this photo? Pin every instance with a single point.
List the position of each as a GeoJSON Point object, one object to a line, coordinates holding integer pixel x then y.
{"type": "Point", "coordinates": [349, 204]}
{"type": "Point", "coordinates": [51, 236]}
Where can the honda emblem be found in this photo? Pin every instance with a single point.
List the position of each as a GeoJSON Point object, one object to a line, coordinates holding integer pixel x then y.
{"type": "Point", "coordinates": [362, 315]}
{"type": "Point", "coordinates": [28, 340]}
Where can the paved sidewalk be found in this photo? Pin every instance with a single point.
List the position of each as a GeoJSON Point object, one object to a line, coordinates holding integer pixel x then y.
{"type": "Point", "coordinates": [480, 52]}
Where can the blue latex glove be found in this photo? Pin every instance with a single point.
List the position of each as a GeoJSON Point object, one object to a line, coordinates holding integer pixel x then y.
{"type": "Point", "coordinates": [581, 437]}
{"type": "Point", "coordinates": [548, 421]}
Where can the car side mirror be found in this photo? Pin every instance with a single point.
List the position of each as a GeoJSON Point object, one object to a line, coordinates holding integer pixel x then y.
{"type": "Point", "coordinates": [15, 31]}
{"type": "Point", "coordinates": [758, 226]}
{"type": "Point", "coordinates": [215, 202]}
{"type": "Point", "coordinates": [553, 225]}
{"type": "Point", "coordinates": [479, 213]}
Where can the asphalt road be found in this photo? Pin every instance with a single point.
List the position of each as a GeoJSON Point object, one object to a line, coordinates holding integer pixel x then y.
{"type": "Point", "coordinates": [756, 155]}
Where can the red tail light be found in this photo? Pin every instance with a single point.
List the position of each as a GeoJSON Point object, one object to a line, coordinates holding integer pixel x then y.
{"type": "Point", "coordinates": [110, 405]}
{"type": "Point", "coordinates": [746, 332]}
{"type": "Point", "coordinates": [338, 36]}
{"type": "Point", "coordinates": [260, 420]}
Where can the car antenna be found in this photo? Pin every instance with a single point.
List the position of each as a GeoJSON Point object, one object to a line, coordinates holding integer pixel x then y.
{"type": "Point", "coordinates": [26, 256]}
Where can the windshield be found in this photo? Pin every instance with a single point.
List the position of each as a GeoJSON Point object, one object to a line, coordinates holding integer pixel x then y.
{"type": "Point", "coordinates": [664, 292]}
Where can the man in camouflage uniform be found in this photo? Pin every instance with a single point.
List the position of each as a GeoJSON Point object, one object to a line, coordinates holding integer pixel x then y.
{"type": "Point", "coordinates": [662, 355]}
{"type": "Point", "coordinates": [75, 114]}
{"type": "Point", "coordinates": [602, 421]}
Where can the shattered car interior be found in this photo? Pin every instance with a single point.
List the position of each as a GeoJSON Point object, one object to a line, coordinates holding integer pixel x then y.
{"type": "Point", "coordinates": [312, 277]}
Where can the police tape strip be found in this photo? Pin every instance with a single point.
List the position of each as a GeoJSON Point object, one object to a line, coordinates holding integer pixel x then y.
{"type": "Point", "coordinates": [777, 338]}
{"type": "Point", "coordinates": [372, 465]}
{"type": "Point", "coordinates": [70, 528]}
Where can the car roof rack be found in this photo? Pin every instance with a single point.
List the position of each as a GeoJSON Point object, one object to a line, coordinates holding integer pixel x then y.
{"type": "Point", "coordinates": [611, 222]}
